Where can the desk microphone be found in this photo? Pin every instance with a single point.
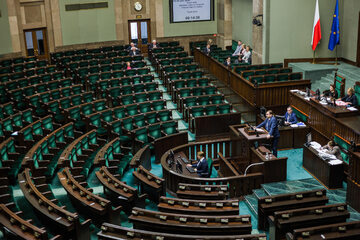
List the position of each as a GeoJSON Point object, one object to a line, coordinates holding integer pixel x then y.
{"type": "Point", "coordinates": [257, 133]}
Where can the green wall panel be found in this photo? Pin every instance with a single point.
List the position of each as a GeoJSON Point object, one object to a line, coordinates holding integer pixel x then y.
{"type": "Point", "coordinates": [86, 26]}
{"type": "Point", "coordinates": [5, 38]}
{"type": "Point", "coordinates": [242, 20]}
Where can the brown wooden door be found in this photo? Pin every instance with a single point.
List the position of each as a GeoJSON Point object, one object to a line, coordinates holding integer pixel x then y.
{"type": "Point", "coordinates": [139, 33]}
{"type": "Point", "coordinates": [36, 43]}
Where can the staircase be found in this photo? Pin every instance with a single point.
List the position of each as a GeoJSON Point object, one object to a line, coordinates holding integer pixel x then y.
{"type": "Point", "coordinates": [351, 73]}
{"type": "Point", "coordinates": [270, 189]}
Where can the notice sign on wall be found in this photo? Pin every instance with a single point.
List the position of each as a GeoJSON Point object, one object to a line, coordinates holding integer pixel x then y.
{"type": "Point", "coordinates": [191, 10]}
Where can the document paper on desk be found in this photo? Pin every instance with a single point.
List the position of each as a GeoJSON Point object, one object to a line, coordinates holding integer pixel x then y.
{"type": "Point", "coordinates": [335, 162]}
{"type": "Point", "coordinates": [352, 109]}
{"type": "Point", "coordinates": [260, 130]}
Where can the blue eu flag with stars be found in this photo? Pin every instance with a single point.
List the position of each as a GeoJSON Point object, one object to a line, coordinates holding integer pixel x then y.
{"type": "Point", "coordinates": [335, 29]}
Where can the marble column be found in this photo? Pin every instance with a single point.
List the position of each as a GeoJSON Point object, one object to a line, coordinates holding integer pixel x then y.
{"type": "Point", "coordinates": [257, 37]}
{"type": "Point", "coordinates": [224, 23]}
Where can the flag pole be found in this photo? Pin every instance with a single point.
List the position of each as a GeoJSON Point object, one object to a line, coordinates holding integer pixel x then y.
{"type": "Point", "coordinates": [313, 62]}
{"type": "Point", "coordinates": [336, 56]}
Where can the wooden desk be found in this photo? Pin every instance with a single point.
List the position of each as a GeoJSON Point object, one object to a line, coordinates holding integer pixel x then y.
{"type": "Point", "coordinates": [329, 175]}
{"type": "Point", "coordinates": [325, 121]}
{"type": "Point", "coordinates": [353, 181]}
{"type": "Point", "coordinates": [273, 169]}
{"type": "Point", "coordinates": [256, 96]}
{"type": "Point", "coordinates": [178, 158]}
{"type": "Point", "coordinates": [242, 142]}
{"type": "Point", "coordinates": [334, 111]}
{"type": "Point", "coordinates": [290, 137]}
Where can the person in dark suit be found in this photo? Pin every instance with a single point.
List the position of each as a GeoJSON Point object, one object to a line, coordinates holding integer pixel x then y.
{"type": "Point", "coordinates": [201, 167]}
{"type": "Point", "coordinates": [207, 49]}
{"type": "Point", "coordinates": [228, 62]}
{"type": "Point", "coordinates": [133, 52]}
{"type": "Point", "coordinates": [332, 93]}
{"type": "Point", "coordinates": [271, 126]}
{"type": "Point", "coordinates": [350, 98]}
{"type": "Point", "coordinates": [154, 44]}
{"type": "Point", "coordinates": [290, 116]}
{"type": "Point", "coordinates": [132, 45]}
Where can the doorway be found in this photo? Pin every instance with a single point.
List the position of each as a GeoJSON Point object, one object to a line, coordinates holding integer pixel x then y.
{"type": "Point", "coordinates": [139, 33]}
{"type": "Point", "coordinates": [36, 43]}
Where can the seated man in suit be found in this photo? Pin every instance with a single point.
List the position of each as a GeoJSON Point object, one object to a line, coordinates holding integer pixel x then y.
{"type": "Point", "coordinates": [271, 126]}
{"type": "Point", "coordinates": [132, 45]}
{"type": "Point", "coordinates": [153, 44]}
{"type": "Point", "coordinates": [133, 51]}
{"type": "Point", "coordinates": [332, 149]}
{"type": "Point", "coordinates": [207, 49]}
{"type": "Point", "coordinates": [201, 167]}
{"type": "Point", "coordinates": [290, 116]}
{"type": "Point", "coordinates": [228, 62]}
{"type": "Point", "coordinates": [238, 49]}
{"type": "Point", "coordinates": [350, 98]}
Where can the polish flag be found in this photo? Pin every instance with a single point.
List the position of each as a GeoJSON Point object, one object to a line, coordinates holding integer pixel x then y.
{"type": "Point", "coordinates": [316, 32]}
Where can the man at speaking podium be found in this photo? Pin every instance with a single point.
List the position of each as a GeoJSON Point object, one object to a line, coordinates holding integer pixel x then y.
{"type": "Point", "coordinates": [271, 126]}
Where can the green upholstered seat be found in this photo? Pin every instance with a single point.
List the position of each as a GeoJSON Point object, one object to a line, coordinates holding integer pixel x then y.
{"type": "Point", "coordinates": [142, 97]}
{"type": "Point", "coordinates": [179, 84]}
{"type": "Point", "coordinates": [138, 88]}
{"type": "Point", "coordinates": [296, 76]}
{"type": "Point", "coordinates": [269, 78]}
{"type": "Point", "coordinates": [224, 109]}
{"type": "Point", "coordinates": [197, 111]}
{"type": "Point", "coordinates": [126, 100]}
{"type": "Point", "coordinates": [158, 105]}
{"type": "Point", "coordinates": [203, 100]}
{"type": "Point", "coordinates": [197, 91]}
{"type": "Point", "coordinates": [155, 131]}
{"type": "Point", "coordinates": [210, 110]}
{"type": "Point", "coordinates": [300, 115]}
{"type": "Point", "coordinates": [169, 127]}
{"type": "Point", "coordinates": [139, 120]}
{"type": "Point", "coordinates": [216, 99]}
{"type": "Point", "coordinates": [164, 116]}
{"type": "Point", "coordinates": [203, 82]}
{"type": "Point", "coordinates": [210, 90]}
{"type": "Point", "coordinates": [151, 118]}
{"type": "Point", "coordinates": [141, 135]}
{"type": "Point", "coordinates": [128, 123]}
{"type": "Point", "coordinates": [145, 107]}
{"type": "Point", "coordinates": [119, 113]}
{"type": "Point", "coordinates": [154, 96]}
{"type": "Point", "coordinates": [132, 109]}
{"type": "Point", "coordinates": [189, 102]}
{"type": "Point", "coordinates": [191, 83]}
{"type": "Point", "coordinates": [185, 92]}
{"type": "Point", "coordinates": [185, 75]}
{"type": "Point", "coordinates": [282, 77]}
{"type": "Point", "coordinates": [345, 147]}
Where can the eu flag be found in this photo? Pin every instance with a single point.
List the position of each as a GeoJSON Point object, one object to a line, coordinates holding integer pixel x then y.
{"type": "Point", "coordinates": [335, 29]}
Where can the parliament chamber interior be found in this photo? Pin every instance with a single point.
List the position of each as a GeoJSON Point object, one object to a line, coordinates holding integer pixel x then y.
{"type": "Point", "coordinates": [178, 119]}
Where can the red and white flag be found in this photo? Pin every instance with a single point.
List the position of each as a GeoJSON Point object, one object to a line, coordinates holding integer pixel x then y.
{"type": "Point", "coordinates": [316, 32]}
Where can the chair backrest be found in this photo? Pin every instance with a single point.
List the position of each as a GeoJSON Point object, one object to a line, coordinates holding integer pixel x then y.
{"type": "Point", "coordinates": [339, 83]}
{"type": "Point", "coordinates": [210, 164]}
{"type": "Point", "coordinates": [357, 91]}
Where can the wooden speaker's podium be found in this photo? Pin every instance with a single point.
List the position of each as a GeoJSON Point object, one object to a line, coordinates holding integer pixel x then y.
{"type": "Point", "coordinates": [243, 138]}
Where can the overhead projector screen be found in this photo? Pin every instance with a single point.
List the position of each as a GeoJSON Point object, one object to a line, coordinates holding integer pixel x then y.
{"type": "Point", "coordinates": [191, 10]}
